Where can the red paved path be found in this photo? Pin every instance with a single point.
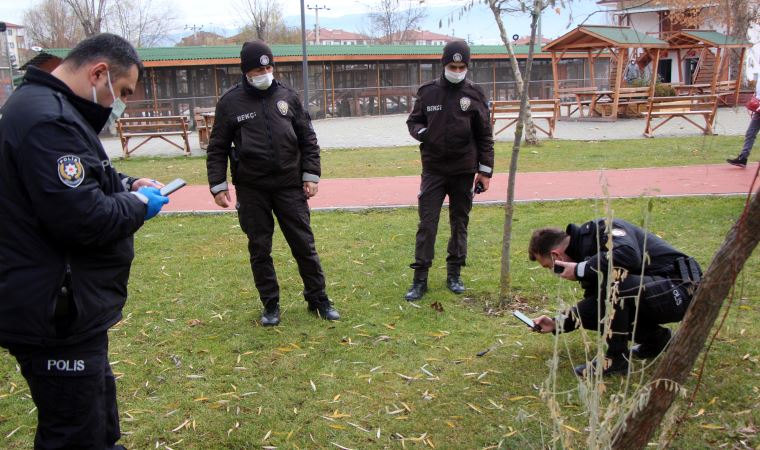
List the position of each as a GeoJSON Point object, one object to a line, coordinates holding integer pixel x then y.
{"type": "Point", "coordinates": [716, 179]}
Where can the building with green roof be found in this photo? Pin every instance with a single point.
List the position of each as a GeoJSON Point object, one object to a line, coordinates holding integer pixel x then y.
{"type": "Point", "coordinates": [344, 80]}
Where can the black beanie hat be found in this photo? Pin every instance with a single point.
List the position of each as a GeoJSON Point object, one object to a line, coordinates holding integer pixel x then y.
{"type": "Point", "coordinates": [255, 54]}
{"type": "Point", "coordinates": [456, 51]}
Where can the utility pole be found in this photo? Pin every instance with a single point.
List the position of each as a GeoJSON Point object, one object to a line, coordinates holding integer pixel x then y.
{"type": "Point", "coordinates": [3, 29]}
{"type": "Point", "coordinates": [316, 9]}
{"type": "Point", "coordinates": [195, 29]}
{"type": "Point", "coordinates": [305, 61]}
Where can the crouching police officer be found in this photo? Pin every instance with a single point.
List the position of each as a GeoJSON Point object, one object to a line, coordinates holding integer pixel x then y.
{"type": "Point", "coordinates": [262, 128]}
{"type": "Point", "coordinates": [653, 284]}
{"type": "Point", "coordinates": [451, 120]}
{"type": "Point", "coordinates": [66, 238]}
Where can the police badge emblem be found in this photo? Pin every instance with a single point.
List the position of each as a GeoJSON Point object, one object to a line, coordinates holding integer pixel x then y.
{"type": "Point", "coordinates": [464, 103]}
{"type": "Point", "coordinates": [282, 105]}
{"type": "Point", "coordinates": [457, 57]}
{"type": "Point", "coordinates": [70, 170]}
{"type": "Point", "coordinates": [264, 60]}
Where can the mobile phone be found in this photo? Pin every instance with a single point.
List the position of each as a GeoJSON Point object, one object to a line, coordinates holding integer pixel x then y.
{"type": "Point", "coordinates": [173, 186]}
{"type": "Point", "coordinates": [526, 320]}
{"type": "Point", "coordinates": [559, 269]}
{"type": "Point", "coordinates": [479, 187]}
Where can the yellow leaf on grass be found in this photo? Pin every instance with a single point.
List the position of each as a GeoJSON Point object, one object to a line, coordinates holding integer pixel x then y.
{"type": "Point", "coordinates": [711, 426]}
{"type": "Point", "coordinates": [570, 428]}
{"type": "Point", "coordinates": [389, 326]}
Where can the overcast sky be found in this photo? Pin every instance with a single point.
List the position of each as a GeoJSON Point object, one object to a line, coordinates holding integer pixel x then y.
{"type": "Point", "coordinates": [219, 15]}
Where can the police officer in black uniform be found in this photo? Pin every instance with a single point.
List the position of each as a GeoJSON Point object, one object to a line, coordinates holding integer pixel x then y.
{"type": "Point", "coordinates": [263, 130]}
{"type": "Point", "coordinates": [451, 120]}
{"type": "Point", "coordinates": [67, 220]}
{"type": "Point", "coordinates": [654, 284]}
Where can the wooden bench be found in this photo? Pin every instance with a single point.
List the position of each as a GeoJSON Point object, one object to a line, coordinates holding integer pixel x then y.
{"type": "Point", "coordinates": [509, 110]}
{"type": "Point", "coordinates": [202, 126]}
{"type": "Point", "coordinates": [151, 128]}
{"type": "Point", "coordinates": [724, 89]}
{"type": "Point", "coordinates": [668, 108]}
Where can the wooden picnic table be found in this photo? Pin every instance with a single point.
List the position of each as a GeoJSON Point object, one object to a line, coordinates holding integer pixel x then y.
{"type": "Point", "coordinates": [590, 97]}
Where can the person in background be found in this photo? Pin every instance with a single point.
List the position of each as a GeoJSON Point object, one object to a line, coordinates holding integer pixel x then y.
{"type": "Point", "coordinates": [751, 134]}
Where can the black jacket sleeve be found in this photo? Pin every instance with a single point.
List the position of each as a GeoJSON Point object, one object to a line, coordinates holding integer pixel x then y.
{"type": "Point", "coordinates": [81, 215]}
{"type": "Point", "coordinates": [307, 142]}
{"type": "Point", "coordinates": [218, 152]}
{"type": "Point", "coordinates": [417, 121]}
{"type": "Point", "coordinates": [483, 135]}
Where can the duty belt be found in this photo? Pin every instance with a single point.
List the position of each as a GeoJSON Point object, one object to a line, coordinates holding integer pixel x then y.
{"type": "Point", "coordinates": [689, 269]}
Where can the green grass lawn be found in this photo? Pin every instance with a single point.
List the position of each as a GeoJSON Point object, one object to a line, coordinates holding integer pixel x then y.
{"type": "Point", "coordinates": [550, 156]}
{"type": "Point", "coordinates": [196, 372]}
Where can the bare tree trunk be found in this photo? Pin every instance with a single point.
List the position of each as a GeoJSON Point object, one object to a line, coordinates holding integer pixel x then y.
{"type": "Point", "coordinates": [530, 130]}
{"type": "Point", "coordinates": [677, 363]}
{"type": "Point", "coordinates": [90, 14]}
{"type": "Point", "coordinates": [505, 286]}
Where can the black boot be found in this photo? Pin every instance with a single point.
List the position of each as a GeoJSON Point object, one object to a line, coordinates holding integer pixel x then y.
{"type": "Point", "coordinates": [324, 309]}
{"type": "Point", "coordinates": [455, 284]}
{"type": "Point", "coordinates": [652, 345]}
{"type": "Point", "coordinates": [418, 289]}
{"type": "Point", "coordinates": [615, 365]}
{"type": "Point", "coordinates": [271, 315]}
{"type": "Point", "coordinates": [738, 162]}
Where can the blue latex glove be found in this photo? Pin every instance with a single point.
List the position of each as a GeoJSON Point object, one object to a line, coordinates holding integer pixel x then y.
{"type": "Point", "coordinates": [155, 200]}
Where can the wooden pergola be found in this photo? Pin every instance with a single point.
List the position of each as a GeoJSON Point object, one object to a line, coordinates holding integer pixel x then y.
{"type": "Point", "coordinates": [620, 43]}
{"type": "Point", "coordinates": [704, 41]}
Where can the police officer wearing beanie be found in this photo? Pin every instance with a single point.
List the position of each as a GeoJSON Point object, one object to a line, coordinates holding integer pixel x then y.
{"type": "Point", "coordinates": [451, 120]}
{"type": "Point", "coordinates": [262, 129]}
{"type": "Point", "coordinates": [67, 221]}
{"type": "Point", "coordinates": [653, 284]}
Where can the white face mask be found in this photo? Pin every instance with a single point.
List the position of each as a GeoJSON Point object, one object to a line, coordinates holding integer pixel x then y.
{"type": "Point", "coordinates": [261, 82]}
{"type": "Point", "coordinates": [454, 77]}
{"type": "Point", "coordinates": [118, 106]}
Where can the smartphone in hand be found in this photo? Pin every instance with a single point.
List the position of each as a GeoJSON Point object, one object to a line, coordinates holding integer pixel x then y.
{"type": "Point", "coordinates": [559, 269]}
{"type": "Point", "coordinates": [526, 320]}
{"type": "Point", "coordinates": [173, 186]}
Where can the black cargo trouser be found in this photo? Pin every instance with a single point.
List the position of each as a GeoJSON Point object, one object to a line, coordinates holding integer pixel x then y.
{"type": "Point", "coordinates": [75, 394]}
{"type": "Point", "coordinates": [661, 300]}
{"type": "Point", "coordinates": [255, 208]}
{"type": "Point", "coordinates": [433, 189]}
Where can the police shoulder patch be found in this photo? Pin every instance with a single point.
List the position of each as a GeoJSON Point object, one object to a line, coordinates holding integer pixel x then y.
{"type": "Point", "coordinates": [70, 170]}
{"type": "Point", "coordinates": [464, 103]}
{"type": "Point", "coordinates": [618, 232]}
{"type": "Point", "coordinates": [282, 106]}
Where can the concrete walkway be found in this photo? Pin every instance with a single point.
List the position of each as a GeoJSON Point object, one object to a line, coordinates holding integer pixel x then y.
{"type": "Point", "coordinates": [360, 193]}
{"type": "Point", "coordinates": [391, 131]}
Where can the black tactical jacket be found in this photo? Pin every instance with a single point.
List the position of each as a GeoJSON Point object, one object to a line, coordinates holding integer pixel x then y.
{"type": "Point", "coordinates": [453, 124]}
{"type": "Point", "coordinates": [267, 137]}
{"type": "Point", "coordinates": [633, 249]}
{"type": "Point", "coordinates": [61, 205]}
